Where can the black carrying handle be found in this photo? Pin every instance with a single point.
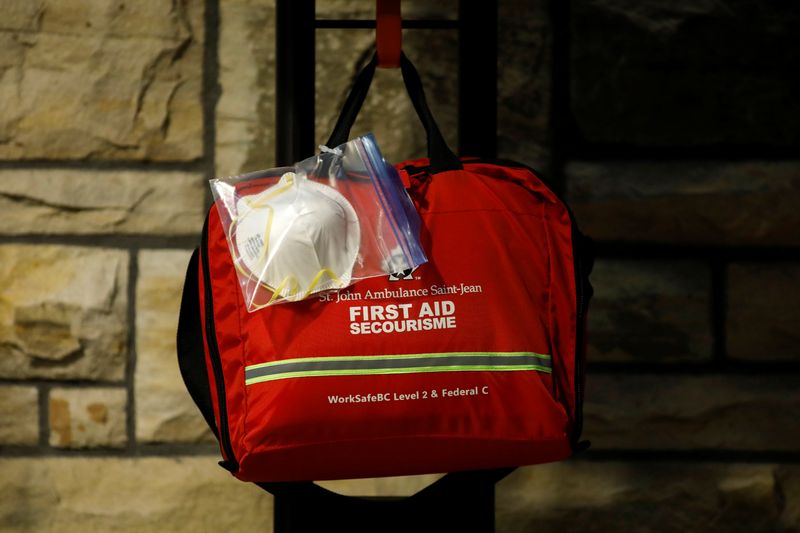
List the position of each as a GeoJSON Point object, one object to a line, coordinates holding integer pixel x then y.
{"type": "Point", "coordinates": [440, 155]}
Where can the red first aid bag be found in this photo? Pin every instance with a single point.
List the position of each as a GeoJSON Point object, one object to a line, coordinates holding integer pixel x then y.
{"type": "Point", "coordinates": [474, 360]}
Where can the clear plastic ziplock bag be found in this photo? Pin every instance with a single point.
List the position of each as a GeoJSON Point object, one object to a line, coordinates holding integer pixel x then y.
{"type": "Point", "coordinates": [321, 225]}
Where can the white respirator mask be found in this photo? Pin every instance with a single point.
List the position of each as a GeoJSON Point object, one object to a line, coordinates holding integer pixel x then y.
{"type": "Point", "coordinates": [296, 238]}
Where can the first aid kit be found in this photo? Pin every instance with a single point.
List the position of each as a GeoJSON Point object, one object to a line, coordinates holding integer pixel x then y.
{"type": "Point", "coordinates": [471, 360]}
{"type": "Point", "coordinates": [331, 220]}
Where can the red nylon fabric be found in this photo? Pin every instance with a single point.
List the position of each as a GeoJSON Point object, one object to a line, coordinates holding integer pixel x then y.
{"type": "Point", "coordinates": [499, 244]}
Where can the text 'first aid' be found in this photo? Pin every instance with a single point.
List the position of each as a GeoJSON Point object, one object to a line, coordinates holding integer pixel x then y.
{"type": "Point", "coordinates": [400, 318]}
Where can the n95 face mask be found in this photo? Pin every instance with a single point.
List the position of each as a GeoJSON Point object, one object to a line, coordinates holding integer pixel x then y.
{"type": "Point", "coordinates": [296, 238]}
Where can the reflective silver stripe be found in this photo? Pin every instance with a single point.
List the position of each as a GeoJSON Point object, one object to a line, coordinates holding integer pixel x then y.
{"type": "Point", "coordinates": [458, 361]}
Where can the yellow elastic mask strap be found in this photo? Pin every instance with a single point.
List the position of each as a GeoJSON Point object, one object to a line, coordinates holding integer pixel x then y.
{"type": "Point", "coordinates": [267, 233]}
{"type": "Point", "coordinates": [235, 253]}
{"type": "Point", "coordinates": [267, 226]}
{"type": "Point", "coordinates": [314, 282]}
{"type": "Point", "coordinates": [271, 214]}
{"type": "Point", "coordinates": [272, 194]}
{"type": "Point", "coordinates": [276, 292]}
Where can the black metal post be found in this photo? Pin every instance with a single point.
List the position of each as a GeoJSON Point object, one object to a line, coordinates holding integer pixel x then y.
{"type": "Point", "coordinates": [477, 78]}
{"type": "Point", "coordinates": [294, 86]}
{"type": "Point", "coordinates": [462, 501]}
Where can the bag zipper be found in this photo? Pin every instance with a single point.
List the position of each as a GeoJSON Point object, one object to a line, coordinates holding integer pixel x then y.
{"type": "Point", "coordinates": [216, 363]}
{"type": "Point", "coordinates": [579, 243]}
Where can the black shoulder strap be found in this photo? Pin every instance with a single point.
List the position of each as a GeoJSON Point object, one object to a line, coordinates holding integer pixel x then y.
{"type": "Point", "coordinates": [441, 157]}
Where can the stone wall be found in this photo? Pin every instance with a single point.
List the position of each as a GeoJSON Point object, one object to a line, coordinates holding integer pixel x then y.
{"type": "Point", "coordinates": [679, 156]}
{"type": "Point", "coordinates": [671, 127]}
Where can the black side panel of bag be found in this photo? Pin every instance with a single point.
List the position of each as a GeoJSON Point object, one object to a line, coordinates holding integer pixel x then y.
{"type": "Point", "coordinates": [191, 356]}
{"type": "Point", "coordinates": [583, 248]}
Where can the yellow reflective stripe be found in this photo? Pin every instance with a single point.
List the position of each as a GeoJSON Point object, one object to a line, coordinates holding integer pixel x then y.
{"type": "Point", "coordinates": [398, 364]}
{"type": "Point", "coordinates": [392, 371]}
{"type": "Point", "coordinates": [425, 355]}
